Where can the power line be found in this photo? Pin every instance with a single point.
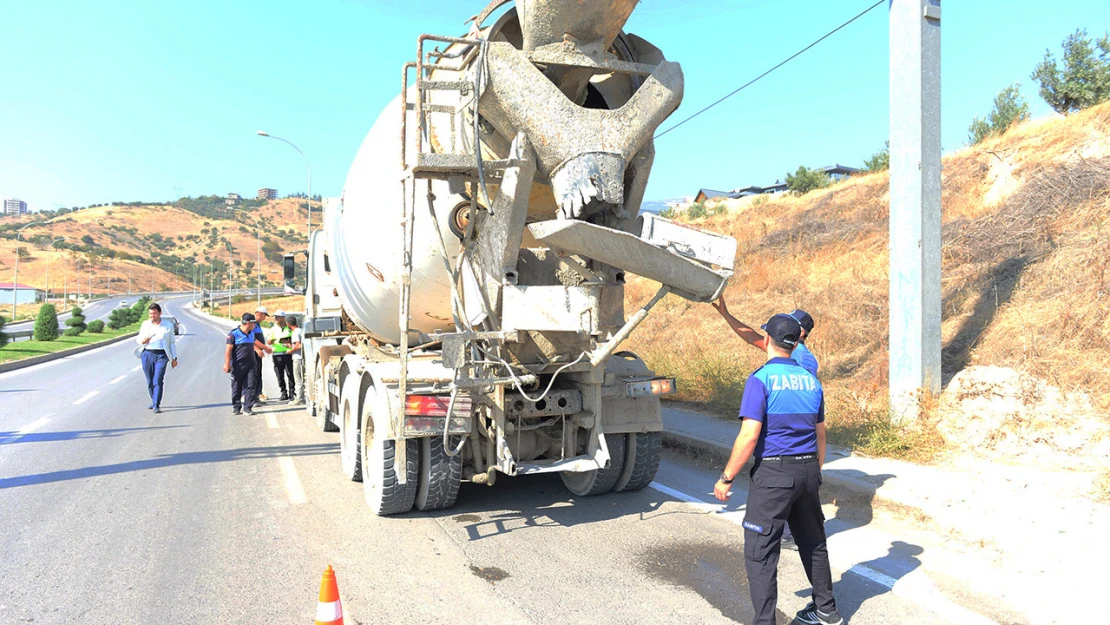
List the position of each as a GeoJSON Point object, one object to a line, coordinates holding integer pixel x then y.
{"type": "Point", "coordinates": [791, 58]}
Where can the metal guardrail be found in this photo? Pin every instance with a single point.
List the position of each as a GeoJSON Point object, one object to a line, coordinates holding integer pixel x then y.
{"type": "Point", "coordinates": [20, 334]}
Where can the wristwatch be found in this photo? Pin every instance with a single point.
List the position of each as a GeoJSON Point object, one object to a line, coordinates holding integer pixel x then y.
{"type": "Point", "coordinates": [725, 479]}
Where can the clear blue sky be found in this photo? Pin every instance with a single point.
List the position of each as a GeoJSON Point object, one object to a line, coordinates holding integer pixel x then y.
{"type": "Point", "coordinates": [113, 100]}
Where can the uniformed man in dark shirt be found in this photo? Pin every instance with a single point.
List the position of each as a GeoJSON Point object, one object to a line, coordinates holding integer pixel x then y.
{"type": "Point", "coordinates": [783, 428]}
{"type": "Point", "coordinates": [239, 362]}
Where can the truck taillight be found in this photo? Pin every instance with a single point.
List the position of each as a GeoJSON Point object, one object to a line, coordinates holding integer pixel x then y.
{"type": "Point", "coordinates": [654, 386]}
{"type": "Point", "coordinates": [435, 406]}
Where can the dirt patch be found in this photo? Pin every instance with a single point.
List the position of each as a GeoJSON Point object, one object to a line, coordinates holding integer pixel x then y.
{"type": "Point", "coordinates": [1016, 416]}
{"type": "Point", "coordinates": [491, 574]}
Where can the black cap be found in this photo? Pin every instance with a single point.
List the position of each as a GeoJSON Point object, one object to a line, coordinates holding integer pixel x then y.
{"type": "Point", "coordinates": [247, 318]}
{"type": "Point", "coordinates": [803, 318]}
{"type": "Point", "coordinates": [783, 329]}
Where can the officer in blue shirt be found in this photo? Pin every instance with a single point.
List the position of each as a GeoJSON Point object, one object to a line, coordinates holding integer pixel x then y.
{"type": "Point", "coordinates": [801, 354]}
{"type": "Point", "coordinates": [783, 428]}
{"type": "Point", "coordinates": [239, 362]}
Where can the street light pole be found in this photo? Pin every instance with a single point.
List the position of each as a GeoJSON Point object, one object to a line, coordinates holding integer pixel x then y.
{"type": "Point", "coordinates": [15, 289]}
{"type": "Point", "coordinates": [230, 277]}
{"type": "Point", "coordinates": [52, 243]}
{"type": "Point", "coordinates": [308, 233]}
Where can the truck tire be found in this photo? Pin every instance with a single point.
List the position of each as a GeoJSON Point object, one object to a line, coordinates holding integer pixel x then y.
{"type": "Point", "coordinates": [641, 463]}
{"type": "Point", "coordinates": [384, 493]}
{"type": "Point", "coordinates": [599, 481]}
{"type": "Point", "coordinates": [319, 403]}
{"type": "Point", "coordinates": [440, 476]}
{"type": "Point", "coordinates": [350, 430]}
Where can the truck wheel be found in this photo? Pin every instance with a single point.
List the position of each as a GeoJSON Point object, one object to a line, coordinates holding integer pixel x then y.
{"type": "Point", "coordinates": [384, 493]}
{"type": "Point", "coordinates": [350, 432]}
{"type": "Point", "coordinates": [319, 402]}
{"type": "Point", "coordinates": [641, 461]}
{"type": "Point", "coordinates": [440, 476]}
{"type": "Point", "coordinates": [599, 481]}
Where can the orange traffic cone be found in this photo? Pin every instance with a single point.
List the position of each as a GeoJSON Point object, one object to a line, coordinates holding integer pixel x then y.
{"type": "Point", "coordinates": [329, 611]}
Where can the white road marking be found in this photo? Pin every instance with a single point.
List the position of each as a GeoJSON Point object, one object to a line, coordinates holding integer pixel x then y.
{"type": "Point", "coordinates": [135, 368]}
{"type": "Point", "coordinates": [292, 481]}
{"type": "Point", "coordinates": [86, 398]}
{"type": "Point", "coordinates": [916, 587]}
{"type": "Point", "coordinates": [119, 379]}
{"type": "Point", "coordinates": [271, 421]}
{"type": "Point", "coordinates": [27, 429]}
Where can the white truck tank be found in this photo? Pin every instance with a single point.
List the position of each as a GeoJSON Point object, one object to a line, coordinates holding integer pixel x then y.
{"type": "Point", "coordinates": [366, 239]}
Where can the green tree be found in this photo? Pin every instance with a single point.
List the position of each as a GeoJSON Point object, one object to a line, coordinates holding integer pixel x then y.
{"type": "Point", "coordinates": [879, 161]}
{"type": "Point", "coordinates": [76, 322]}
{"type": "Point", "coordinates": [88, 240]}
{"type": "Point", "coordinates": [1009, 108]}
{"type": "Point", "coordinates": [96, 327]}
{"type": "Point", "coordinates": [3, 337]}
{"type": "Point", "coordinates": [805, 180]}
{"type": "Point", "coordinates": [22, 253]}
{"type": "Point", "coordinates": [46, 324]}
{"type": "Point", "coordinates": [1084, 79]}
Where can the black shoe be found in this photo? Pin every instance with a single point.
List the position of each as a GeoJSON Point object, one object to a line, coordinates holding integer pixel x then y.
{"type": "Point", "coordinates": [236, 410]}
{"type": "Point", "coordinates": [810, 615]}
{"type": "Point", "coordinates": [248, 411]}
{"type": "Point", "coordinates": [284, 397]}
{"type": "Point", "coordinates": [157, 410]}
{"type": "Point", "coordinates": [787, 542]}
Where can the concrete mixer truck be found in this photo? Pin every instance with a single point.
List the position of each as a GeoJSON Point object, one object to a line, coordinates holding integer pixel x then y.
{"type": "Point", "coordinates": [465, 297]}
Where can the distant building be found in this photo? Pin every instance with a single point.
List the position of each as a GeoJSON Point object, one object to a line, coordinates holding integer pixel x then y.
{"type": "Point", "coordinates": [15, 206]}
{"type": "Point", "coordinates": [835, 172]}
{"type": "Point", "coordinates": [233, 199]}
{"type": "Point", "coordinates": [23, 294]}
{"type": "Point", "coordinates": [267, 194]}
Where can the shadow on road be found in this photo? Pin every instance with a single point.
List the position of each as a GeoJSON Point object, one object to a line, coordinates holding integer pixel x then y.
{"type": "Point", "coordinates": [46, 437]}
{"type": "Point", "coordinates": [852, 509]}
{"type": "Point", "coordinates": [534, 501]}
{"type": "Point", "coordinates": [858, 584]}
{"type": "Point", "coordinates": [170, 460]}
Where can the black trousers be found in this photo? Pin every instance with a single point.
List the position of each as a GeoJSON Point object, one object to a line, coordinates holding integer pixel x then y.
{"type": "Point", "coordinates": [283, 368]}
{"type": "Point", "coordinates": [785, 492]}
{"type": "Point", "coordinates": [257, 376]}
{"type": "Point", "coordinates": [243, 390]}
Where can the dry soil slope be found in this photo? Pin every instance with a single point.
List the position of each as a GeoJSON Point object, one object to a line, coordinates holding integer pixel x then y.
{"type": "Point", "coordinates": [128, 229]}
{"type": "Point", "coordinates": [1026, 287]}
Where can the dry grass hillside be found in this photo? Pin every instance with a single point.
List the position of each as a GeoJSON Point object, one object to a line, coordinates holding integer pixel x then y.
{"type": "Point", "coordinates": [169, 240]}
{"type": "Point", "coordinates": [1026, 287]}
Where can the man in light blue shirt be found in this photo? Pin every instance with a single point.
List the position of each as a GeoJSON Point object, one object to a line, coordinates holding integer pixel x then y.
{"type": "Point", "coordinates": [159, 349]}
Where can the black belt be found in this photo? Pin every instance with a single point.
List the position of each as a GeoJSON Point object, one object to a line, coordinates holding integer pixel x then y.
{"type": "Point", "coordinates": [157, 351]}
{"type": "Point", "coordinates": [791, 459]}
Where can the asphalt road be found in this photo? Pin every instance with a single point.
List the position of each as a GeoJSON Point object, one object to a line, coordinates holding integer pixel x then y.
{"type": "Point", "coordinates": [112, 514]}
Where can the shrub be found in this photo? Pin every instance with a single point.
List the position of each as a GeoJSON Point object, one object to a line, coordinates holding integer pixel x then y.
{"type": "Point", "coordinates": [76, 321]}
{"type": "Point", "coordinates": [879, 161]}
{"type": "Point", "coordinates": [1085, 78]}
{"type": "Point", "coordinates": [96, 327]}
{"type": "Point", "coordinates": [668, 213]}
{"type": "Point", "coordinates": [805, 180]}
{"type": "Point", "coordinates": [46, 324]}
{"type": "Point", "coordinates": [1009, 108]}
{"type": "Point", "coordinates": [3, 337]}
{"type": "Point", "coordinates": [74, 331]}
{"type": "Point", "coordinates": [119, 318]}
{"type": "Point", "coordinates": [697, 210]}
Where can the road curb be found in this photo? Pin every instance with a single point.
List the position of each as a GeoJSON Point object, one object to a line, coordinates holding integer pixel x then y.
{"type": "Point", "coordinates": [699, 448]}
{"type": "Point", "coordinates": [38, 360]}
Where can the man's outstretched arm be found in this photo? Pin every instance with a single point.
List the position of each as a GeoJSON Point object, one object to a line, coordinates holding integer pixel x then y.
{"type": "Point", "coordinates": [750, 336]}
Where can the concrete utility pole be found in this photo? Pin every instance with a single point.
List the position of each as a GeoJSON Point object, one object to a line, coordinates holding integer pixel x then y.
{"type": "Point", "coordinates": [915, 192]}
{"type": "Point", "coordinates": [52, 244]}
